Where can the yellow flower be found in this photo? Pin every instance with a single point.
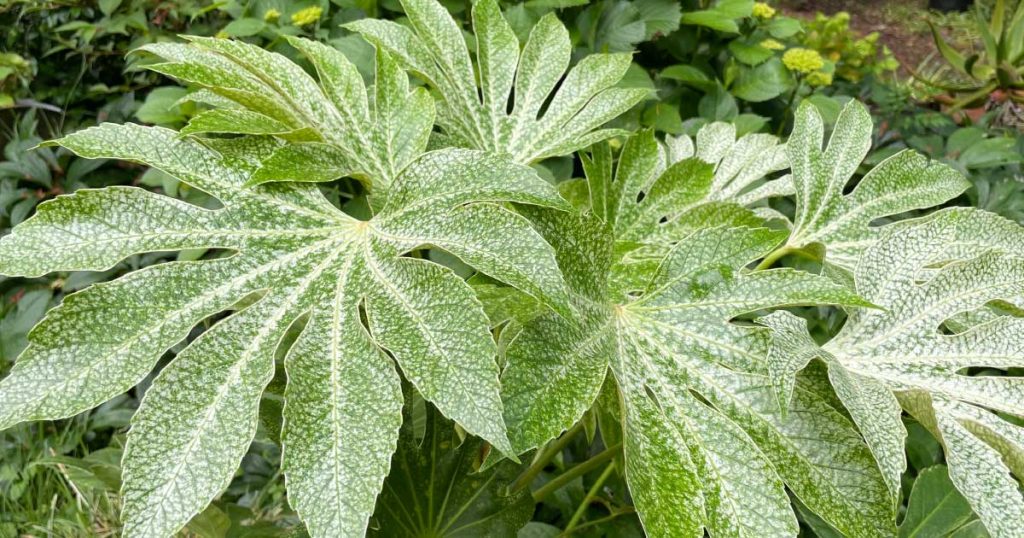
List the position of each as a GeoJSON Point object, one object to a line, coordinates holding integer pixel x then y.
{"type": "Point", "coordinates": [763, 11]}
{"type": "Point", "coordinates": [306, 16]}
{"type": "Point", "coordinates": [819, 78]}
{"type": "Point", "coordinates": [803, 60]}
{"type": "Point", "coordinates": [221, 35]}
{"type": "Point", "coordinates": [272, 15]}
{"type": "Point", "coordinates": [772, 44]}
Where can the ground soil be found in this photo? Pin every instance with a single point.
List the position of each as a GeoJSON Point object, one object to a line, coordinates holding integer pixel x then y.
{"type": "Point", "coordinates": [900, 23]}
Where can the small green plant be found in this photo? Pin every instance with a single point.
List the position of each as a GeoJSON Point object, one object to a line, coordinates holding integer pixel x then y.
{"type": "Point", "coordinates": [854, 56]}
{"type": "Point", "coordinates": [995, 71]}
{"type": "Point", "coordinates": [435, 340]}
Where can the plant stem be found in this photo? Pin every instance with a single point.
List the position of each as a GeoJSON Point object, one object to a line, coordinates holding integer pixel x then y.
{"type": "Point", "coordinates": [596, 522]}
{"type": "Point", "coordinates": [774, 256]}
{"type": "Point", "coordinates": [789, 107]}
{"type": "Point", "coordinates": [544, 457]}
{"type": "Point", "coordinates": [590, 495]}
{"type": "Point", "coordinates": [561, 480]}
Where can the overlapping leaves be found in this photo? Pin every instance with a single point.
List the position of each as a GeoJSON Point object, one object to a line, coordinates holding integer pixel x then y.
{"type": "Point", "coordinates": [843, 222]}
{"type": "Point", "coordinates": [509, 102]}
{"type": "Point", "coordinates": [706, 447]}
{"type": "Point", "coordinates": [934, 279]}
{"type": "Point", "coordinates": [291, 257]}
{"type": "Point", "coordinates": [334, 126]}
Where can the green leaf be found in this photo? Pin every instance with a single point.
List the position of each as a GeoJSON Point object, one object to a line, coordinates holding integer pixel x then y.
{"type": "Point", "coordinates": [842, 222]}
{"type": "Point", "coordinates": [766, 81]}
{"type": "Point", "coordinates": [935, 507]}
{"type": "Point", "coordinates": [923, 273]}
{"type": "Point", "coordinates": [294, 254]}
{"type": "Point", "coordinates": [700, 424]}
{"type": "Point", "coordinates": [475, 116]}
{"type": "Point", "coordinates": [244, 27]}
{"type": "Point", "coordinates": [783, 27]}
{"type": "Point", "coordinates": [749, 53]}
{"type": "Point", "coordinates": [713, 19]}
{"type": "Point", "coordinates": [377, 142]}
{"type": "Point", "coordinates": [435, 488]}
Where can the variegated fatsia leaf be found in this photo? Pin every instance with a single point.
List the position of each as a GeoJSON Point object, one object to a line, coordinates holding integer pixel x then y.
{"type": "Point", "coordinates": [922, 274]}
{"type": "Point", "coordinates": [334, 126]}
{"type": "Point", "coordinates": [742, 166]}
{"type": "Point", "coordinates": [292, 255]}
{"type": "Point", "coordinates": [655, 195]}
{"type": "Point", "coordinates": [706, 446]}
{"type": "Point", "coordinates": [843, 222]}
{"type": "Point", "coordinates": [508, 101]}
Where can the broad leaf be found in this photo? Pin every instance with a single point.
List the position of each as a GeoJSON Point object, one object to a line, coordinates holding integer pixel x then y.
{"type": "Point", "coordinates": [473, 106]}
{"type": "Point", "coordinates": [842, 222]}
{"type": "Point", "coordinates": [706, 446]}
{"type": "Point", "coordinates": [293, 255]}
{"type": "Point", "coordinates": [935, 507]}
{"type": "Point", "coordinates": [435, 488]}
{"type": "Point", "coordinates": [925, 275]}
{"type": "Point", "coordinates": [335, 127]}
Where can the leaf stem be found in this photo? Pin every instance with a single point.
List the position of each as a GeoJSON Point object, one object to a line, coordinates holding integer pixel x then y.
{"type": "Point", "coordinates": [561, 480]}
{"type": "Point", "coordinates": [590, 496]}
{"type": "Point", "coordinates": [775, 256]}
{"type": "Point", "coordinates": [596, 522]}
{"type": "Point", "coordinates": [544, 457]}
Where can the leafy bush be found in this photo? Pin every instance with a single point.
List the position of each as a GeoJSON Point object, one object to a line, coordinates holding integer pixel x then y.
{"type": "Point", "coordinates": [380, 278]}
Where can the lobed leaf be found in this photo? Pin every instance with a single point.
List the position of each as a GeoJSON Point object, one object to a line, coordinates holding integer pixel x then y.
{"type": "Point", "coordinates": [842, 222]}
{"type": "Point", "coordinates": [300, 258]}
{"type": "Point", "coordinates": [473, 107]}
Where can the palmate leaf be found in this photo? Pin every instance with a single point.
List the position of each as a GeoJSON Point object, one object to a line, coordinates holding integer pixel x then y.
{"type": "Point", "coordinates": [435, 490]}
{"type": "Point", "coordinates": [474, 103]}
{"type": "Point", "coordinates": [336, 128]}
{"type": "Point", "coordinates": [293, 255]}
{"type": "Point", "coordinates": [923, 274]}
{"type": "Point", "coordinates": [657, 194]}
{"type": "Point", "coordinates": [706, 446]}
{"type": "Point", "coordinates": [842, 222]}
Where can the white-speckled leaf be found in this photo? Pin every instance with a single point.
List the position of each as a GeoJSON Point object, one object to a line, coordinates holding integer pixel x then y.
{"type": "Point", "coordinates": [743, 167]}
{"type": "Point", "coordinates": [903, 348]}
{"type": "Point", "coordinates": [300, 256]}
{"type": "Point", "coordinates": [923, 273]}
{"type": "Point", "coordinates": [842, 222]}
{"type": "Point", "coordinates": [473, 106]}
{"type": "Point", "coordinates": [724, 456]}
{"type": "Point", "coordinates": [345, 136]}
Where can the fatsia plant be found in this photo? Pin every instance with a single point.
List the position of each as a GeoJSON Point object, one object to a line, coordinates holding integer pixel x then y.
{"type": "Point", "coordinates": [507, 102]}
{"type": "Point", "coordinates": [925, 275]}
{"type": "Point", "coordinates": [705, 445]}
{"type": "Point", "coordinates": [842, 222]}
{"type": "Point", "coordinates": [334, 126]}
{"type": "Point", "coordinates": [291, 260]}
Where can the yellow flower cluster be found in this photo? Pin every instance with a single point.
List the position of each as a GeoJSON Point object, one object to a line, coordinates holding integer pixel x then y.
{"type": "Point", "coordinates": [819, 78]}
{"type": "Point", "coordinates": [802, 60]}
{"type": "Point", "coordinates": [763, 11]}
{"type": "Point", "coordinates": [772, 44]}
{"type": "Point", "coordinates": [306, 16]}
{"type": "Point", "coordinates": [271, 15]}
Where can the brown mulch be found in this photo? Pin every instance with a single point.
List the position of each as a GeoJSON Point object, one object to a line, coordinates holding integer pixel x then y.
{"type": "Point", "coordinates": [910, 43]}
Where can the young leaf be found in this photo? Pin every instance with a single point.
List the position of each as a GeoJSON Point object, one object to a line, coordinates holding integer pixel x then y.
{"type": "Point", "coordinates": [935, 507]}
{"type": "Point", "coordinates": [296, 255]}
{"type": "Point", "coordinates": [842, 222]}
{"type": "Point", "coordinates": [474, 111]}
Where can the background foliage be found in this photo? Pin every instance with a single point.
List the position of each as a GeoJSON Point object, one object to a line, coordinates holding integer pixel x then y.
{"type": "Point", "coordinates": [65, 65]}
